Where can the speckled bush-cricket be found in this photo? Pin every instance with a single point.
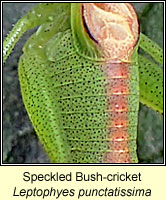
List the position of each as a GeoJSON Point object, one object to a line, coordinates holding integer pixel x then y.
{"type": "Point", "coordinates": [75, 102]}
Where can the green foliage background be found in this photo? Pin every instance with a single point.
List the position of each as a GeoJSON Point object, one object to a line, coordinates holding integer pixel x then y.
{"type": "Point", "coordinates": [20, 143]}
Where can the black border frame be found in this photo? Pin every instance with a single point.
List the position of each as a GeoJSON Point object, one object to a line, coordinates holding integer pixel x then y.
{"type": "Point", "coordinates": [89, 164]}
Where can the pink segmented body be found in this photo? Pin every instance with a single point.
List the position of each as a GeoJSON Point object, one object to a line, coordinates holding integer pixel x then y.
{"type": "Point", "coordinates": [118, 88]}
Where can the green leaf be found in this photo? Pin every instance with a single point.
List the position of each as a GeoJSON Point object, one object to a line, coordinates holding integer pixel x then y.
{"type": "Point", "coordinates": [150, 129]}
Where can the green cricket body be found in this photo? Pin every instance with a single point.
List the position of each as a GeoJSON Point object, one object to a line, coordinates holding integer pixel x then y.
{"type": "Point", "coordinates": [79, 80]}
{"type": "Point", "coordinates": [86, 105]}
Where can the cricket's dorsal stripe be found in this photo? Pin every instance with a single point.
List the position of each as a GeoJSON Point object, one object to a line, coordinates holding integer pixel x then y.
{"type": "Point", "coordinates": [119, 150]}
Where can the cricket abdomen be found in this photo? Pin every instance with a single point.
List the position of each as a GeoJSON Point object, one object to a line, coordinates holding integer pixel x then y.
{"type": "Point", "coordinates": [122, 144]}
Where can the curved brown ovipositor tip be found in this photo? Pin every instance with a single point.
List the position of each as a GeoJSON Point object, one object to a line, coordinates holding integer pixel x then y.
{"type": "Point", "coordinates": [114, 26]}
